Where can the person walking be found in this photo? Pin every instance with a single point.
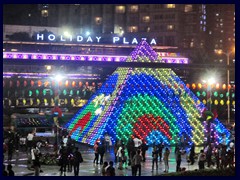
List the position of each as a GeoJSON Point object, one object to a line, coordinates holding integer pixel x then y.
{"type": "Point", "coordinates": [63, 161]}
{"type": "Point", "coordinates": [178, 156]}
{"type": "Point", "coordinates": [104, 170]}
{"type": "Point", "coordinates": [5, 173]}
{"type": "Point", "coordinates": [154, 158]}
{"type": "Point", "coordinates": [110, 170]}
{"type": "Point", "coordinates": [10, 145]}
{"type": "Point", "coordinates": [95, 147]}
{"type": "Point", "coordinates": [119, 157]}
{"type": "Point", "coordinates": [160, 150]}
{"type": "Point", "coordinates": [133, 165]}
{"type": "Point", "coordinates": [138, 159]}
{"type": "Point", "coordinates": [165, 159]}
{"type": "Point", "coordinates": [137, 143]}
{"type": "Point", "coordinates": [144, 148]}
{"type": "Point", "coordinates": [35, 152]}
{"type": "Point", "coordinates": [101, 152]}
{"type": "Point", "coordinates": [192, 154]}
{"type": "Point", "coordinates": [77, 156]}
{"type": "Point", "coordinates": [201, 159]}
{"type": "Point", "coordinates": [30, 137]}
{"type": "Point", "coordinates": [10, 171]}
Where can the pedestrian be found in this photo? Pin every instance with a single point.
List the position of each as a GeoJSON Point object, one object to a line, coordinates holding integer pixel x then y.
{"type": "Point", "coordinates": [124, 158]}
{"type": "Point", "coordinates": [10, 145]}
{"type": "Point", "coordinates": [154, 158]}
{"type": "Point", "coordinates": [95, 147]}
{"type": "Point", "coordinates": [35, 154]}
{"type": "Point", "coordinates": [178, 156]}
{"type": "Point", "coordinates": [107, 142]}
{"type": "Point", "coordinates": [10, 171]}
{"type": "Point", "coordinates": [165, 159]}
{"type": "Point", "coordinates": [70, 160]}
{"type": "Point", "coordinates": [119, 157]}
{"type": "Point", "coordinates": [110, 169]}
{"type": "Point", "coordinates": [160, 149]}
{"type": "Point", "coordinates": [101, 152]}
{"type": "Point", "coordinates": [130, 149]}
{"type": "Point", "coordinates": [63, 161]}
{"type": "Point", "coordinates": [144, 148]}
{"type": "Point", "coordinates": [192, 154]}
{"type": "Point", "coordinates": [17, 141]}
{"type": "Point", "coordinates": [201, 159]}
{"type": "Point", "coordinates": [217, 156]}
{"type": "Point", "coordinates": [104, 170]}
{"type": "Point", "coordinates": [223, 163]}
{"type": "Point", "coordinates": [133, 165]}
{"type": "Point", "coordinates": [77, 160]}
{"type": "Point", "coordinates": [209, 155]}
{"type": "Point", "coordinates": [138, 159]}
{"type": "Point", "coordinates": [137, 143]}
{"type": "Point", "coordinates": [5, 173]}
{"type": "Point", "coordinates": [30, 137]}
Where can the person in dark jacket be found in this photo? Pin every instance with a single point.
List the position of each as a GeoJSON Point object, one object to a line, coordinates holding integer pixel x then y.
{"type": "Point", "coordinates": [63, 161]}
{"type": "Point", "coordinates": [101, 151]}
{"type": "Point", "coordinates": [77, 160]}
{"type": "Point", "coordinates": [192, 154]}
{"type": "Point", "coordinates": [10, 171]}
{"type": "Point", "coordinates": [144, 148]}
{"type": "Point", "coordinates": [5, 173]}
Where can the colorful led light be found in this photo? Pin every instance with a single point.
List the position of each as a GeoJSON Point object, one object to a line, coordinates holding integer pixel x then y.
{"type": "Point", "coordinates": [153, 104]}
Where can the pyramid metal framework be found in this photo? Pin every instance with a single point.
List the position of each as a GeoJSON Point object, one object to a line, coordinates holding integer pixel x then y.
{"type": "Point", "coordinates": [151, 103]}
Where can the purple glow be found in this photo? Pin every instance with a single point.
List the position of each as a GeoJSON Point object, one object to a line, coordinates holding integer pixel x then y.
{"type": "Point", "coordinates": [143, 51]}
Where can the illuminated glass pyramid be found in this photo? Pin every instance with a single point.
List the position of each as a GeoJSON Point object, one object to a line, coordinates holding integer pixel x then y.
{"type": "Point", "coordinates": [153, 104]}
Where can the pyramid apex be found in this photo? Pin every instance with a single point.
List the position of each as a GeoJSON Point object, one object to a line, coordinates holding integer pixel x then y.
{"type": "Point", "coordinates": [143, 49]}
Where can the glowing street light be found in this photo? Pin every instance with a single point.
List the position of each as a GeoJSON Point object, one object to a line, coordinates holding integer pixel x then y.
{"type": "Point", "coordinates": [209, 83]}
{"type": "Point", "coordinates": [228, 53]}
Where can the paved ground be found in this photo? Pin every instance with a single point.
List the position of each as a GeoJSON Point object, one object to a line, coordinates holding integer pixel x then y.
{"type": "Point", "coordinates": [87, 168]}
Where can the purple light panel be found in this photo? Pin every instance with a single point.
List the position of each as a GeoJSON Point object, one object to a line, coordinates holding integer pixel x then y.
{"type": "Point", "coordinates": [73, 57]}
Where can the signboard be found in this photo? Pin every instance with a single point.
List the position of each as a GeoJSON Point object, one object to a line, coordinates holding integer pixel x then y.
{"type": "Point", "coordinates": [93, 39]}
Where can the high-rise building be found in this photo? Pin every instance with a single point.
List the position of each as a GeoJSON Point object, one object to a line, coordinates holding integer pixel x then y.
{"type": "Point", "coordinates": [221, 30]}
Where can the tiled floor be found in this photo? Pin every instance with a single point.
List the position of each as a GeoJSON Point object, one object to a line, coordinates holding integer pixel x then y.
{"type": "Point", "coordinates": [87, 168]}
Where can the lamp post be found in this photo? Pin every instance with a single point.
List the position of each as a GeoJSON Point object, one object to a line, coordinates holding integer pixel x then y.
{"type": "Point", "coordinates": [228, 53]}
{"type": "Point", "coordinates": [209, 83]}
{"type": "Point", "coordinates": [56, 115]}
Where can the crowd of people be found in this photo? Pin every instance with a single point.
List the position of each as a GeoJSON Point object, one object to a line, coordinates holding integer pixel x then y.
{"type": "Point", "coordinates": [129, 155]}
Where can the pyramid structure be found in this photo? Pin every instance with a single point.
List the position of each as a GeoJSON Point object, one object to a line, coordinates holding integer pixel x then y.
{"type": "Point", "coordinates": [151, 103]}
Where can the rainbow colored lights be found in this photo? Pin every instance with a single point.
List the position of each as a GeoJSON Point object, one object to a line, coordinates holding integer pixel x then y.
{"type": "Point", "coordinates": [153, 104]}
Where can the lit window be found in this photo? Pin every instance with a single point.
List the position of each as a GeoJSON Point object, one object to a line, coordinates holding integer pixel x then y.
{"type": "Point", "coordinates": [210, 32]}
{"type": "Point", "coordinates": [45, 13]}
{"type": "Point", "coordinates": [170, 27]}
{"type": "Point", "coordinates": [146, 19]}
{"type": "Point", "coordinates": [217, 14]}
{"type": "Point", "coordinates": [188, 8]}
{"type": "Point", "coordinates": [98, 20]}
{"type": "Point", "coordinates": [134, 8]}
{"type": "Point", "coordinates": [191, 44]}
{"type": "Point", "coordinates": [170, 6]}
{"type": "Point", "coordinates": [120, 9]}
{"type": "Point", "coordinates": [132, 29]}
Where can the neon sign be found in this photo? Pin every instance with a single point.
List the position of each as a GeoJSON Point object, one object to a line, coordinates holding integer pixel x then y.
{"type": "Point", "coordinates": [92, 39]}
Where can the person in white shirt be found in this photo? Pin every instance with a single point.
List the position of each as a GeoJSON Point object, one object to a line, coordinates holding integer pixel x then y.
{"type": "Point", "coordinates": [137, 143]}
{"type": "Point", "coordinates": [108, 142]}
{"type": "Point", "coordinates": [29, 141]}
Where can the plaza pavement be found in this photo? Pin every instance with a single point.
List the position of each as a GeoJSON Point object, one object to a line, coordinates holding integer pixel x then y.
{"type": "Point", "coordinates": [88, 168]}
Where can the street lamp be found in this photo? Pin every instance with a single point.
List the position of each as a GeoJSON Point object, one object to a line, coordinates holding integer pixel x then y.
{"type": "Point", "coordinates": [228, 53]}
{"type": "Point", "coordinates": [57, 78]}
{"type": "Point", "coordinates": [209, 83]}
